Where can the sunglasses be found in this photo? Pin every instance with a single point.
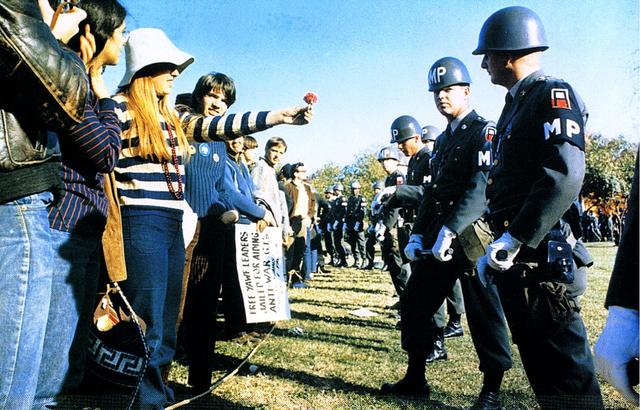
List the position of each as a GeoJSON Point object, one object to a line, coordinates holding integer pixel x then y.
{"type": "Point", "coordinates": [64, 6]}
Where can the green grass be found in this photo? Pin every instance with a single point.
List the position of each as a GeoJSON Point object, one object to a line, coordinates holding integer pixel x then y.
{"type": "Point", "coordinates": [341, 360]}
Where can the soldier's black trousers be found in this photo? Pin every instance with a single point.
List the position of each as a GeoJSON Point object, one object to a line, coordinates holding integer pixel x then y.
{"type": "Point", "coordinates": [337, 244]}
{"type": "Point", "coordinates": [454, 303]}
{"type": "Point", "coordinates": [328, 244]}
{"type": "Point", "coordinates": [391, 255]}
{"type": "Point", "coordinates": [430, 282]}
{"type": "Point", "coordinates": [555, 353]}
{"type": "Point", "coordinates": [370, 247]}
{"type": "Point", "coordinates": [356, 242]}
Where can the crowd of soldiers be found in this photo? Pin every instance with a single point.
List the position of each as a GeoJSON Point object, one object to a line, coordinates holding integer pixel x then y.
{"type": "Point", "coordinates": [489, 211]}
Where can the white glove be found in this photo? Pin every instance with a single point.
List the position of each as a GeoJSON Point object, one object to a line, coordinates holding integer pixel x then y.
{"type": "Point", "coordinates": [616, 347]}
{"type": "Point", "coordinates": [414, 247]}
{"type": "Point", "coordinates": [335, 225]}
{"type": "Point", "coordinates": [376, 205]}
{"type": "Point", "coordinates": [380, 230]}
{"type": "Point", "coordinates": [443, 244]}
{"type": "Point", "coordinates": [484, 272]}
{"type": "Point", "coordinates": [507, 243]}
{"type": "Point", "coordinates": [356, 227]}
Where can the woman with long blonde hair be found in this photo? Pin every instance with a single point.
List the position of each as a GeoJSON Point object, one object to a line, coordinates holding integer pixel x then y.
{"type": "Point", "coordinates": [149, 179]}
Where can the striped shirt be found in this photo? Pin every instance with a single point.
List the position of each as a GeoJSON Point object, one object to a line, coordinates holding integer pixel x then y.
{"type": "Point", "coordinates": [142, 182]}
{"type": "Point", "coordinates": [88, 150]}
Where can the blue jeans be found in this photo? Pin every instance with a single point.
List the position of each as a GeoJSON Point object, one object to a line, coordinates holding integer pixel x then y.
{"type": "Point", "coordinates": [154, 254]}
{"type": "Point", "coordinates": [25, 292]}
{"type": "Point", "coordinates": [76, 265]}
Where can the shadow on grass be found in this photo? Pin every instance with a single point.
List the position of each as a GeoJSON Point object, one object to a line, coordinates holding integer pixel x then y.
{"type": "Point", "coordinates": [320, 285]}
{"type": "Point", "coordinates": [334, 383]}
{"type": "Point", "coordinates": [351, 341]}
{"type": "Point", "coordinates": [182, 392]}
{"type": "Point", "coordinates": [348, 321]}
{"type": "Point", "coordinates": [314, 302]}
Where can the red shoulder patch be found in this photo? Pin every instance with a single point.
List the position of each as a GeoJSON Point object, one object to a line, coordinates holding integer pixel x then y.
{"type": "Point", "coordinates": [491, 132]}
{"type": "Point", "coordinates": [560, 98]}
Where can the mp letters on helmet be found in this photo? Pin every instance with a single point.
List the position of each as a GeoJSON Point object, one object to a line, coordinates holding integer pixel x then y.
{"type": "Point", "coordinates": [436, 74]}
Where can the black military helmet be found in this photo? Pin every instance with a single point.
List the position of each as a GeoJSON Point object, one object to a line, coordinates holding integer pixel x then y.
{"type": "Point", "coordinates": [403, 128]}
{"type": "Point", "coordinates": [446, 72]}
{"type": "Point", "coordinates": [512, 29]}
{"type": "Point", "coordinates": [356, 185]}
{"type": "Point", "coordinates": [338, 187]}
{"type": "Point", "coordinates": [328, 190]}
{"type": "Point", "coordinates": [429, 133]}
{"type": "Point", "coordinates": [378, 185]}
{"type": "Point", "coordinates": [389, 152]}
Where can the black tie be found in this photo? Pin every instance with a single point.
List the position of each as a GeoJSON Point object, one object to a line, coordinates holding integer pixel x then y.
{"type": "Point", "coordinates": [508, 99]}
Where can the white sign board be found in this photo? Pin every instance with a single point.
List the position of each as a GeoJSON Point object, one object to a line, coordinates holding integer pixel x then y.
{"type": "Point", "coordinates": [261, 273]}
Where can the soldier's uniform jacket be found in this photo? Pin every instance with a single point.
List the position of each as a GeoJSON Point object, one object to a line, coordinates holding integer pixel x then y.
{"type": "Point", "coordinates": [324, 212]}
{"type": "Point", "coordinates": [339, 209]}
{"type": "Point", "coordinates": [356, 210]}
{"type": "Point", "coordinates": [408, 196]}
{"type": "Point", "coordinates": [538, 155]}
{"type": "Point", "coordinates": [394, 179]}
{"type": "Point", "coordinates": [455, 197]}
{"type": "Point", "coordinates": [623, 285]}
{"type": "Point", "coordinates": [390, 216]}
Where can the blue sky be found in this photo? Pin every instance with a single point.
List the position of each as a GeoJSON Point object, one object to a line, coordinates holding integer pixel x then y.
{"type": "Point", "coordinates": [368, 61]}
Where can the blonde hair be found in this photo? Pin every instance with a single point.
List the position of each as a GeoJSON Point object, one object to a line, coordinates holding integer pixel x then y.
{"type": "Point", "coordinates": [145, 108]}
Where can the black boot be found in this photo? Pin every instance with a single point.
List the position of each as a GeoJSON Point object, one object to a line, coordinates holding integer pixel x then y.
{"type": "Point", "coordinates": [453, 329]}
{"type": "Point", "coordinates": [439, 350]}
{"type": "Point", "coordinates": [413, 383]}
{"type": "Point", "coordinates": [487, 401]}
{"type": "Point", "coordinates": [489, 398]}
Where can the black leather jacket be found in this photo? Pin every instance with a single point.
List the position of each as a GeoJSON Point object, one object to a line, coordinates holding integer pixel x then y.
{"type": "Point", "coordinates": [43, 87]}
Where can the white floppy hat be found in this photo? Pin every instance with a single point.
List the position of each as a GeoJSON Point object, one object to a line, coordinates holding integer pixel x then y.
{"type": "Point", "coordinates": [147, 46]}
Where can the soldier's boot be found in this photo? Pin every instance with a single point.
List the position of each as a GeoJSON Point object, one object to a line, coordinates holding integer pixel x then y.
{"type": "Point", "coordinates": [439, 351]}
{"type": "Point", "coordinates": [489, 397]}
{"type": "Point", "coordinates": [414, 383]}
{"type": "Point", "coordinates": [356, 263]}
{"type": "Point", "coordinates": [453, 329]}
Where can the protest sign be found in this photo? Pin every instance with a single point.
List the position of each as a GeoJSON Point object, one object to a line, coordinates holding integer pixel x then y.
{"type": "Point", "coordinates": [261, 273]}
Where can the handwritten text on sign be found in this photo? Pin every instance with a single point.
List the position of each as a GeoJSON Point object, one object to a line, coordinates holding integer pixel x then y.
{"type": "Point", "coordinates": [261, 273]}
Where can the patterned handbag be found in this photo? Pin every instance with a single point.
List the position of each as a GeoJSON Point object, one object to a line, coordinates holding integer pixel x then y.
{"type": "Point", "coordinates": [118, 353]}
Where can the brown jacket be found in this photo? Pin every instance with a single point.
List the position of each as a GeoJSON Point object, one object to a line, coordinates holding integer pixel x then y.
{"type": "Point", "coordinates": [292, 190]}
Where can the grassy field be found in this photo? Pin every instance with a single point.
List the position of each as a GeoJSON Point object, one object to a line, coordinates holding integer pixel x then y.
{"type": "Point", "coordinates": [340, 360]}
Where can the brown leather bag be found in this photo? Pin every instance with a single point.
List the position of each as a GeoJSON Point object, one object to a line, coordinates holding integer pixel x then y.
{"type": "Point", "coordinates": [112, 241]}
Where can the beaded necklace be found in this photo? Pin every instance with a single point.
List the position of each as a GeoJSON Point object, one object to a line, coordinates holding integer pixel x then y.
{"type": "Point", "coordinates": [179, 195]}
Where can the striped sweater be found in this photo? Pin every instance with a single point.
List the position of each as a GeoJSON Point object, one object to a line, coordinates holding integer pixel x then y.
{"type": "Point", "coordinates": [88, 150]}
{"type": "Point", "coordinates": [142, 182]}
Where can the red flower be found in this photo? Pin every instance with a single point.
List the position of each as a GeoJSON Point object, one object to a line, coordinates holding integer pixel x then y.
{"type": "Point", "coordinates": [310, 98]}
